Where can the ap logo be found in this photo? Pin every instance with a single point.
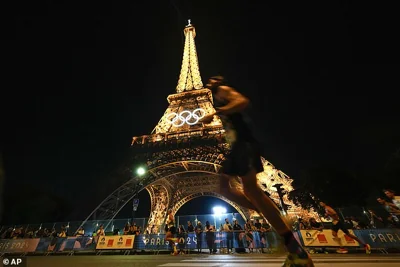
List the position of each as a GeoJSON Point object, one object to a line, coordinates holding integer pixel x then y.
{"type": "Point", "coordinates": [12, 262]}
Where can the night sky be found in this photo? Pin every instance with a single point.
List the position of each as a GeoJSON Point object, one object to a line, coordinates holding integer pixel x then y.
{"type": "Point", "coordinates": [81, 80]}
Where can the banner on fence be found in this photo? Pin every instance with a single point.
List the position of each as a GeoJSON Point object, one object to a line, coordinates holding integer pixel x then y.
{"type": "Point", "coordinates": [80, 243]}
{"type": "Point", "coordinates": [158, 242]}
{"type": "Point", "coordinates": [18, 245]}
{"type": "Point", "coordinates": [50, 244]}
{"type": "Point", "coordinates": [115, 242]}
{"type": "Point", "coordinates": [58, 244]}
{"type": "Point", "coordinates": [324, 238]}
{"type": "Point", "coordinates": [380, 238]}
{"type": "Point", "coordinates": [192, 241]}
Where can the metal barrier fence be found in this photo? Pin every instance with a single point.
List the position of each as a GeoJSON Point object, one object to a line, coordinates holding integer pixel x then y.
{"type": "Point", "coordinates": [363, 217]}
{"type": "Point", "coordinates": [269, 242]}
{"type": "Point", "coordinates": [118, 224]}
{"type": "Point", "coordinates": [362, 214]}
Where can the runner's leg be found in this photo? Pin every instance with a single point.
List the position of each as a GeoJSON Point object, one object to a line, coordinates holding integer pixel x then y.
{"type": "Point", "coordinates": [297, 254]}
{"type": "Point", "coordinates": [234, 194]}
{"type": "Point", "coordinates": [270, 211]}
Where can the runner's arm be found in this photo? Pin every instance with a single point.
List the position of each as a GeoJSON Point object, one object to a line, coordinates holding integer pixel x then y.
{"type": "Point", "coordinates": [236, 101]}
{"type": "Point", "coordinates": [330, 211]}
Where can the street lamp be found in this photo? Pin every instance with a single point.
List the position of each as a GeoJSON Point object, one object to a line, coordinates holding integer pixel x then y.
{"type": "Point", "coordinates": [218, 211]}
{"type": "Point", "coordinates": [281, 192]}
{"type": "Point", "coordinates": [140, 171]}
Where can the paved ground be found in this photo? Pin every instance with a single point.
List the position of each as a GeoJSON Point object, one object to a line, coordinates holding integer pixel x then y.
{"type": "Point", "coordinates": [247, 260]}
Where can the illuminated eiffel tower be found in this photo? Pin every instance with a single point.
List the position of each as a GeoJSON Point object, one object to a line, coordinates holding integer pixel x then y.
{"type": "Point", "coordinates": [183, 156]}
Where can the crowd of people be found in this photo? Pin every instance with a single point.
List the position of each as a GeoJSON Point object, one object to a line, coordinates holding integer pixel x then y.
{"type": "Point", "coordinates": [231, 237]}
{"type": "Point", "coordinates": [389, 211]}
{"type": "Point", "coordinates": [29, 232]}
{"type": "Point", "coordinates": [214, 238]}
{"type": "Point", "coordinates": [385, 215]}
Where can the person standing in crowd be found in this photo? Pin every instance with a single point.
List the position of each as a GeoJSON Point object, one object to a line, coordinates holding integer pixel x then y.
{"type": "Point", "coordinates": [227, 228]}
{"type": "Point", "coordinates": [314, 225]}
{"type": "Point", "coordinates": [237, 229]}
{"type": "Point", "coordinates": [301, 225]}
{"type": "Point", "coordinates": [199, 236]}
{"type": "Point", "coordinates": [181, 239]}
{"type": "Point", "coordinates": [190, 228]}
{"type": "Point", "coordinates": [257, 224]}
{"type": "Point", "coordinates": [263, 232]}
{"type": "Point", "coordinates": [210, 237]}
{"type": "Point", "coordinates": [127, 228]}
{"type": "Point", "coordinates": [133, 228]}
{"type": "Point", "coordinates": [100, 231]}
{"type": "Point", "coordinates": [391, 195]}
{"type": "Point", "coordinates": [249, 228]}
{"type": "Point", "coordinates": [80, 232]}
{"type": "Point", "coordinates": [392, 209]}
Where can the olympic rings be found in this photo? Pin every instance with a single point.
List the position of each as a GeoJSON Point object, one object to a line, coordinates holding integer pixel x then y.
{"type": "Point", "coordinates": [186, 116]}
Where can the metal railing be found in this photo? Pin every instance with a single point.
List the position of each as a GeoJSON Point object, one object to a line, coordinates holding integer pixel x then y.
{"type": "Point", "coordinates": [117, 225]}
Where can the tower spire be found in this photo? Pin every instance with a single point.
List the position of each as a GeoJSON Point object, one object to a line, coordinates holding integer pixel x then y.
{"type": "Point", "coordinates": [190, 78]}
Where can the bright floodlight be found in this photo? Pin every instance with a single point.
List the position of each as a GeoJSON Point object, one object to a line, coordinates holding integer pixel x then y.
{"type": "Point", "coordinates": [140, 171]}
{"type": "Point", "coordinates": [219, 210]}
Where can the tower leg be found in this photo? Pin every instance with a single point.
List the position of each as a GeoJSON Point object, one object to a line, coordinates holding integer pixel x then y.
{"type": "Point", "coordinates": [159, 202]}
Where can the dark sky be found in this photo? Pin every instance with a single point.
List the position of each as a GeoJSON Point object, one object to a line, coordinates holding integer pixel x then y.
{"type": "Point", "coordinates": [81, 80]}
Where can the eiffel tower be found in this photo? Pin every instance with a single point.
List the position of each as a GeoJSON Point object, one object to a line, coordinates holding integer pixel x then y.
{"type": "Point", "coordinates": [183, 156]}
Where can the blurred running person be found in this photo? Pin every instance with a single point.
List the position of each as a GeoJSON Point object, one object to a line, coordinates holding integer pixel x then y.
{"type": "Point", "coordinates": [244, 161]}
{"type": "Point", "coordinates": [170, 233]}
{"type": "Point", "coordinates": [339, 225]}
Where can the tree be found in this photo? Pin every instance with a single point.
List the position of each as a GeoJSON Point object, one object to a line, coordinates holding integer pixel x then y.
{"type": "Point", "coordinates": [331, 184]}
{"type": "Point", "coordinates": [302, 197]}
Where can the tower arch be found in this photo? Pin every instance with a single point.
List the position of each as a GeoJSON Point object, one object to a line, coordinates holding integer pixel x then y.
{"type": "Point", "coordinates": [242, 211]}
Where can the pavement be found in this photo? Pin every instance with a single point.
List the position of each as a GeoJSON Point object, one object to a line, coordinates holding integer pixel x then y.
{"type": "Point", "coordinates": [193, 260]}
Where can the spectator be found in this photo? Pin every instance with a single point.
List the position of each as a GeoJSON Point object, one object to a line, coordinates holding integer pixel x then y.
{"type": "Point", "coordinates": [210, 238]}
{"type": "Point", "coordinates": [80, 232]}
{"type": "Point", "coordinates": [392, 209]}
{"type": "Point", "coordinates": [199, 236]}
{"type": "Point", "coordinates": [227, 227]}
{"type": "Point", "coordinates": [100, 231]}
{"type": "Point", "coordinates": [314, 225]}
{"type": "Point", "coordinates": [391, 195]}
{"type": "Point", "coordinates": [237, 229]}
{"type": "Point", "coordinates": [127, 229]}
{"type": "Point", "coordinates": [190, 227]}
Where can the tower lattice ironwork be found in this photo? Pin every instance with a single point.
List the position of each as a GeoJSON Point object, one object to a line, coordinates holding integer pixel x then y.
{"type": "Point", "coordinates": [183, 156]}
